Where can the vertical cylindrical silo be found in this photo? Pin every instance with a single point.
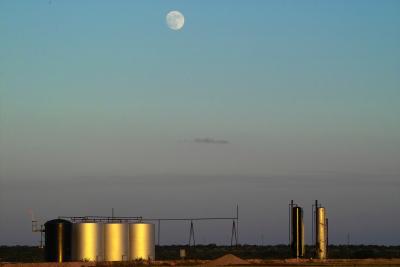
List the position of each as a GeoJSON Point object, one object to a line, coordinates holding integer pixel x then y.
{"type": "Point", "coordinates": [58, 240]}
{"type": "Point", "coordinates": [303, 236]}
{"type": "Point", "coordinates": [320, 233]}
{"type": "Point", "coordinates": [115, 241]}
{"type": "Point", "coordinates": [141, 241]}
{"type": "Point", "coordinates": [297, 227]}
{"type": "Point", "coordinates": [87, 242]}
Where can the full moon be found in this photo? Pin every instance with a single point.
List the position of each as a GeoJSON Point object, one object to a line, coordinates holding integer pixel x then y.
{"type": "Point", "coordinates": [175, 20]}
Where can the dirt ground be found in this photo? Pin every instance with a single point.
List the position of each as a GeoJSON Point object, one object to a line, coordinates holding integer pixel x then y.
{"type": "Point", "coordinates": [49, 264]}
{"type": "Point", "coordinates": [227, 261]}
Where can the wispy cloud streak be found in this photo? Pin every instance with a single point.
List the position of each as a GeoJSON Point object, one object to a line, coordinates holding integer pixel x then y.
{"type": "Point", "coordinates": [208, 140]}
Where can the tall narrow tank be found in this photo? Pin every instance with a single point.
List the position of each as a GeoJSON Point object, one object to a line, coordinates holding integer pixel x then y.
{"type": "Point", "coordinates": [303, 237]}
{"type": "Point", "coordinates": [141, 241]}
{"type": "Point", "coordinates": [115, 241]}
{"type": "Point", "coordinates": [57, 240]}
{"type": "Point", "coordinates": [320, 233]}
{"type": "Point", "coordinates": [87, 242]}
{"type": "Point", "coordinates": [297, 226]}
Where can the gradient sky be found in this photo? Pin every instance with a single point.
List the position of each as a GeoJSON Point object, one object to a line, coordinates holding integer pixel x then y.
{"type": "Point", "coordinates": [251, 103]}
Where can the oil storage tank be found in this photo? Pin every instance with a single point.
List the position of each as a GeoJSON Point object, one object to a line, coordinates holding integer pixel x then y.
{"type": "Point", "coordinates": [115, 241]}
{"type": "Point", "coordinates": [321, 232]}
{"type": "Point", "coordinates": [141, 241]}
{"type": "Point", "coordinates": [58, 240]}
{"type": "Point", "coordinates": [87, 241]}
{"type": "Point", "coordinates": [297, 231]}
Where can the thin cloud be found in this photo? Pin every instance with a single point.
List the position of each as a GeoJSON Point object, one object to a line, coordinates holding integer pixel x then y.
{"type": "Point", "coordinates": [208, 140]}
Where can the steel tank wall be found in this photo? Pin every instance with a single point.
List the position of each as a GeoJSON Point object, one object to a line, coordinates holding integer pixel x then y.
{"type": "Point", "coordinates": [141, 241]}
{"type": "Point", "coordinates": [303, 237]}
{"type": "Point", "coordinates": [58, 240]}
{"type": "Point", "coordinates": [320, 234]}
{"type": "Point", "coordinates": [115, 241]}
{"type": "Point", "coordinates": [297, 225]}
{"type": "Point", "coordinates": [87, 242]}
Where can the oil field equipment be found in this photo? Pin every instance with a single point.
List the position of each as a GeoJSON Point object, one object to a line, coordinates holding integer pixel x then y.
{"type": "Point", "coordinates": [115, 241]}
{"type": "Point", "coordinates": [57, 240]}
{"type": "Point", "coordinates": [97, 238]}
{"type": "Point", "coordinates": [87, 241]}
{"type": "Point", "coordinates": [104, 238]}
{"type": "Point", "coordinates": [141, 241]}
{"type": "Point", "coordinates": [321, 231]}
{"type": "Point", "coordinates": [296, 230]}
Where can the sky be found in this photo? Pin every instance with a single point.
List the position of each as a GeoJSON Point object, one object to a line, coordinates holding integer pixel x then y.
{"type": "Point", "coordinates": [252, 103]}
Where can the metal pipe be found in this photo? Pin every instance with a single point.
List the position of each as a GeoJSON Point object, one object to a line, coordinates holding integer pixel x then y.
{"type": "Point", "coordinates": [237, 224]}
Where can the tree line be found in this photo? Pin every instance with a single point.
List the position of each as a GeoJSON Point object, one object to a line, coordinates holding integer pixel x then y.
{"type": "Point", "coordinates": [212, 251]}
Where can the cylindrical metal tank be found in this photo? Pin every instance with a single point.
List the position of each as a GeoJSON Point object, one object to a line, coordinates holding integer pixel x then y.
{"type": "Point", "coordinates": [297, 246]}
{"type": "Point", "coordinates": [115, 241]}
{"type": "Point", "coordinates": [141, 241]}
{"type": "Point", "coordinates": [303, 237]}
{"type": "Point", "coordinates": [320, 232]}
{"type": "Point", "coordinates": [87, 242]}
{"type": "Point", "coordinates": [58, 240]}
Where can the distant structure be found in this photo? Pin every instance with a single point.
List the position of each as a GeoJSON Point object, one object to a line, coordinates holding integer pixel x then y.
{"type": "Point", "coordinates": [321, 231]}
{"type": "Point", "coordinates": [296, 231]}
{"type": "Point", "coordinates": [87, 241]}
{"type": "Point", "coordinates": [141, 241]}
{"type": "Point", "coordinates": [104, 238]}
{"type": "Point", "coordinates": [96, 238]}
{"type": "Point", "coordinates": [57, 236]}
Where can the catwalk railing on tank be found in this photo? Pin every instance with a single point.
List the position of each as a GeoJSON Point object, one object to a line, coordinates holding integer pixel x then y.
{"type": "Point", "coordinates": [136, 219]}
{"type": "Point", "coordinates": [120, 219]}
